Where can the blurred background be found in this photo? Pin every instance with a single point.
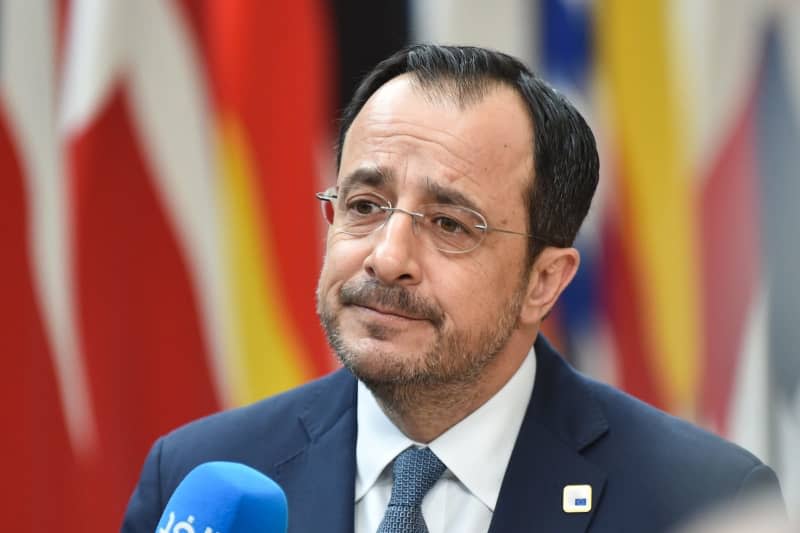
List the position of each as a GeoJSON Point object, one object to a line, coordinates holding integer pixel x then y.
{"type": "Point", "coordinates": [160, 239]}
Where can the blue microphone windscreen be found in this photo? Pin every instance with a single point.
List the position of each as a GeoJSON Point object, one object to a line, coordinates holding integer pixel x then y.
{"type": "Point", "coordinates": [223, 497]}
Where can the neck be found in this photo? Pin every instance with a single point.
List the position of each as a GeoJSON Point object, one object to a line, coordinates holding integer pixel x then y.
{"type": "Point", "coordinates": [424, 412]}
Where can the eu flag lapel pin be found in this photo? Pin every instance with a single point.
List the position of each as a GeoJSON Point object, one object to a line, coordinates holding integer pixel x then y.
{"type": "Point", "coordinates": [577, 498]}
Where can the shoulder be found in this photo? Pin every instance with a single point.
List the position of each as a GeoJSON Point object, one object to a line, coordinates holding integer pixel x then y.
{"type": "Point", "coordinates": [261, 435]}
{"type": "Point", "coordinates": [660, 464]}
{"type": "Point", "coordinates": [271, 423]}
{"type": "Point", "coordinates": [678, 464]}
{"type": "Point", "coordinates": [651, 434]}
{"type": "Point", "coordinates": [632, 431]}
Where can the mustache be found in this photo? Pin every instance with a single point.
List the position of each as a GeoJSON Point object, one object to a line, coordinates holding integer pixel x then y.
{"type": "Point", "coordinates": [372, 293]}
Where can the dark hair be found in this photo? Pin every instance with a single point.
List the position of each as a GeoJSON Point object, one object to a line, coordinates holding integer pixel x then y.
{"type": "Point", "coordinates": [565, 157]}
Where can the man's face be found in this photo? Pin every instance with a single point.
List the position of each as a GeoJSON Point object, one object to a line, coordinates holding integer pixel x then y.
{"type": "Point", "coordinates": [396, 309]}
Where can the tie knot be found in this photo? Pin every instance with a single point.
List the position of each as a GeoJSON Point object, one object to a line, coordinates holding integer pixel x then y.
{"type": "Point", "coordinates": [415, 472]}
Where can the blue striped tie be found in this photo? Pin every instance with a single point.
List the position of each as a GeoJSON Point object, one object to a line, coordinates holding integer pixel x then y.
{"type": "Point", "coordinates": [415, 471]}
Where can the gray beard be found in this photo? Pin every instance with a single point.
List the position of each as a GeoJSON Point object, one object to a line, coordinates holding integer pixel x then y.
{"type": "Point", "coordinates": [443, 376]}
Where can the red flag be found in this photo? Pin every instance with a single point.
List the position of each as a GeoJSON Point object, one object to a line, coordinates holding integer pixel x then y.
{"type": "Point", "coordinates": [139, 320]}
{"type": "Point", "coordinates": [37, 475]}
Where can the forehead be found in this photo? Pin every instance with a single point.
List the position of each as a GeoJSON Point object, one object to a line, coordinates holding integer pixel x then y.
{"type": "Point", "coordinates": [407, 136]}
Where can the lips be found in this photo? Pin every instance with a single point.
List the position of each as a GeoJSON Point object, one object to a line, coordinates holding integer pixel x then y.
{"type": "Point", "coordinates": [389, 301]}
{"type": "Point", "coordinates": [388, 311]}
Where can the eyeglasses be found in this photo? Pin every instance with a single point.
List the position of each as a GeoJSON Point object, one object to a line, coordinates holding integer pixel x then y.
{"type": "Point", "coordinates": [451, 229]}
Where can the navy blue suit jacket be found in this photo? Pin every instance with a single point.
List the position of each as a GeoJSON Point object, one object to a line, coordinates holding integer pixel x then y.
{"type": "Point", "coordinates": [648, 471]}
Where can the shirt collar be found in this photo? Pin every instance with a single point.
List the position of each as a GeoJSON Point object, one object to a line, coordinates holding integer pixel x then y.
{"type": "Point", "coordinates": [378, 442]}
{"type": "Point", "coordinates": [491, 431]}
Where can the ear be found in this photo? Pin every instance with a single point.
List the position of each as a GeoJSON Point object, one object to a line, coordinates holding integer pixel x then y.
{"type": "Point", "coordinates": [552, 271]}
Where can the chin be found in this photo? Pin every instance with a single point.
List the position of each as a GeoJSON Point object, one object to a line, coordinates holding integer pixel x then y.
{"type": "Point", "coordinates": [375, 364]}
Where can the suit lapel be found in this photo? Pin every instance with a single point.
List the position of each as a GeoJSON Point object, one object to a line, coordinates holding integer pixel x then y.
{"type": "Point", "coordinates": [319, 477]}
{"type": "Point", "coordinates": [562, 419]}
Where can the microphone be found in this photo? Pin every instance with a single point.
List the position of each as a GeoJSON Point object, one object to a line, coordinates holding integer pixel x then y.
{"type": "Point", "coordinates": [225, 497]}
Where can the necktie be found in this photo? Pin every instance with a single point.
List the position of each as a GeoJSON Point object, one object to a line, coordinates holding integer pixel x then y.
{"type": "Point", "coordinates": [415, 471]}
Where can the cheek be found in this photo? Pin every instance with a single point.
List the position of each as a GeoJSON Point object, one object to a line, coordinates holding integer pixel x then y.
{"type": "Point", "coordinates": [344, 258]}
{"type": "Point", "coordinates": [463, 295]}
{"type": "Point", "coordinates": [476, 295]}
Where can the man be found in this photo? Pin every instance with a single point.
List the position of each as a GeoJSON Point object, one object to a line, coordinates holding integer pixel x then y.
{"type": "Point", "coordinates": [462, 182]}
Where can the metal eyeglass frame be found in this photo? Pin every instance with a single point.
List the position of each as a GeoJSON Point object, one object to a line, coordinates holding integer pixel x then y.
{"type": "Point", "coordinates": [330, 195]}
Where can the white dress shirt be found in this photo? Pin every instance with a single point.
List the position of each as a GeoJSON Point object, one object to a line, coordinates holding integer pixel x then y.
{"type": "Point", "coordinates": [476, 452]}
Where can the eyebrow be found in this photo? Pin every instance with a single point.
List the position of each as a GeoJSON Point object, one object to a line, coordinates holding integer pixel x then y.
{"type": "Point", "coordinates": [446, 195]}
{"type": "Point", "coordinates": [370, 176]}
{"type": "Point", "coordinates": [379, 177]}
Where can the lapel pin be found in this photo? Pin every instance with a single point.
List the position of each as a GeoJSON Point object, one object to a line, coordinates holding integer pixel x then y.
{"type": "Point", "coordinates": [577, 498]}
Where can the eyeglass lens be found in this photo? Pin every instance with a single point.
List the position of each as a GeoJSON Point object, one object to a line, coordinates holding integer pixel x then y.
{"type": "Point", "coordinates": [450, 228]}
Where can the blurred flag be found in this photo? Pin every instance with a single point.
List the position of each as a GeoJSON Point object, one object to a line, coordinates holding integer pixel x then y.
{"type": "Point", "coordinates": [778, 127]}
{"type": "Point", "coordinates": [162, 244]}
{"type": "Point", "coordinates": [696, 110]}
{"type": "Point", "coordinates": [45, 416]}
{"type": "Point", "coordinates": [271, 69]}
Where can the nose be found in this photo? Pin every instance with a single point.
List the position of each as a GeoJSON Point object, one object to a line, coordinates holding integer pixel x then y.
{"type": "Point", "coordinates": [394, 257]}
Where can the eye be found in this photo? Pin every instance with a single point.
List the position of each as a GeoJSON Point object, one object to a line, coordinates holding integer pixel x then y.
{"type": "Point", "coordinates": [449, 225]}
{"type": "Point", "coordinates": [364, 205]}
